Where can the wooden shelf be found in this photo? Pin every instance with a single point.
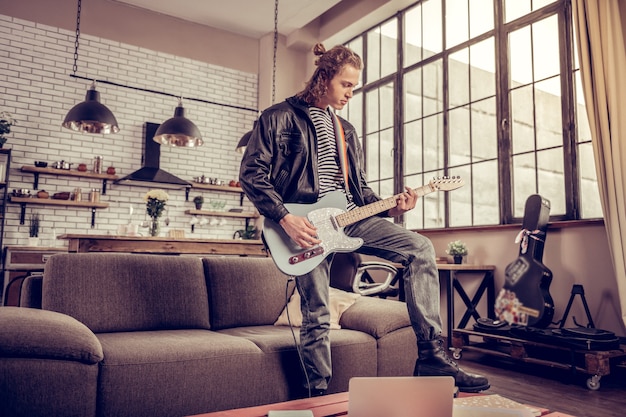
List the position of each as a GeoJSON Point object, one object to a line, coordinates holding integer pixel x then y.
{"type": "Point", "coordinates": [211, 187]}
{"type": "Point", "coordinates": [56, 202]}
{"type": "Point", "coordinates": [242, 215]}
{"type": "Point", "coordinates": [67, 173]}
{"type": "Point", "coordinates": [23, 201]}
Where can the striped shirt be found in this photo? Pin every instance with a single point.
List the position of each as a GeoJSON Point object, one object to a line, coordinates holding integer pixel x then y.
{"type": "Point", "coordinates": [329, 171]}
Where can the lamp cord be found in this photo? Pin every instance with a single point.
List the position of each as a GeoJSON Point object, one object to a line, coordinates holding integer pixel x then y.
{"type": "Point", "coordinates": [76, 42]}
{"type": "Point", "coordinates": [275, 49]}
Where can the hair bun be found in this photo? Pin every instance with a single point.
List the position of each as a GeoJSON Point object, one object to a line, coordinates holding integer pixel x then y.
{"type": "Point", "coordinates": [319, 49]}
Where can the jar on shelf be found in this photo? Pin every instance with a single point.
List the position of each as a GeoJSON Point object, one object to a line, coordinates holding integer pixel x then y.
{"type": "Point", "coordinates": [94, 195]}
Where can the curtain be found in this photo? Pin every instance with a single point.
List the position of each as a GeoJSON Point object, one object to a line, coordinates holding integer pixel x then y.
{"type": "Point", "coordinates": [599, 31]}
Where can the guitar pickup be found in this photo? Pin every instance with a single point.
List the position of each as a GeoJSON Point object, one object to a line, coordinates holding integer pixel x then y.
{"type": "Point", "coordinates": [316, 251]}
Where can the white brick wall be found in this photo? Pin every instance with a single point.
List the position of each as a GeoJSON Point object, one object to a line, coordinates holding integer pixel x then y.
{"type": "Point", "coordinates": [36, 62]}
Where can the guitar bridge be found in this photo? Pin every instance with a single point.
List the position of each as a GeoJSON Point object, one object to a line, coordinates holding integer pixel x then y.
{"type": "Point", "coordinates": [316, 251]}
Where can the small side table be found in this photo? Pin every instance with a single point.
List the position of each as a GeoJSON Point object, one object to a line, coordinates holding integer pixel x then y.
{"type": "Point", "coordinates": [449, 274]}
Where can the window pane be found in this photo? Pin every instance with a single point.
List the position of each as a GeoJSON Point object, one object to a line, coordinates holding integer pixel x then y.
{"type": "Point", "coordinates": [515, 8]}
{"type": "Point", "coordinates": [386, 154]}
{"type": "Point", "coordinates": [353, 112]}
{"type": "Point", "coordinates": [372, 149]}
{"type": "Point", "coordinates": [589, 195]}
{"type": "Point", "coordinates": [373, 56]}
{"type": "Point", "coordinates": [546, 48]}
{"type": "Point", "coordinates": [548, 104]}
{"type": "Point", "coordinates": [486, 202]}
{"type": "Point", "coordinates": [523, 124]}
{"type": "Point", "coordinates": [433, 143]}
{"type": "Point", "coordinates": [413, 35]}
{"type": "Point", "coordinates": [518, 8]}
{"type": "Point", "coordinates": [457, 24]}
{"type": "Point", "coordinates": [552, 179]}
{"type": "Point", "coordinates": [524, 181]}
{"type": "Point", "coordinates": [413, 149]}
{"type": "Point", "coordinates": [413, 95]}
{"type": "Point", "coordinates": [389, 51]}
{"type": "Point", "coordinates": [483, 69]}
{"type": "Point", "coordinates": [481, 17]}
{"type": "Point", "coordinates": [459, 80]}
{"type": "Point", "coordinates": [385, 111]}
{"type": "Point", "coordinates": [520, 56]}
{"type": "Point", "coordinates": [432, 34]}
{"type": "Point", "coordinates": [372, 103]}
{"type": "Point", "coordinates": [461, 199]}
{"type": "Point", "coordinates": [484, 130]}
{"type": "Point", "coordinates": [459, 125]}
{"type": "Point", "coordinates": [433, 88]}
{"type": "Point", "coordinates": [414, 219]}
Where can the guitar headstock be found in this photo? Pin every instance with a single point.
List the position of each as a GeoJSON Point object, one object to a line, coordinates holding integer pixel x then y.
{"type": "Point", "coordinates": [446, 183]}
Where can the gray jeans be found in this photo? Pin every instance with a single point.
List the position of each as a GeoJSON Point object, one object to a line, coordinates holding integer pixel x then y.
{"type": "Point", "coordinates": [386, 240]}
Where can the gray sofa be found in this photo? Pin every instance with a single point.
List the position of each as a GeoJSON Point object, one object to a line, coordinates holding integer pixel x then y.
{"type": "Point", "coordinates": [157, 335]}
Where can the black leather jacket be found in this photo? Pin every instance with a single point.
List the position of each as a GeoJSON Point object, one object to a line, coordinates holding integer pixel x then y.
{"type": "Point", "coordinates": [280, 162]}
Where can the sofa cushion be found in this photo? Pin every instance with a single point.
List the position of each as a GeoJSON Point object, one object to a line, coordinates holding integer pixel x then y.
{"type": "Point", "coordinates": [111, 292]}
{"type": "Point", "coordinates": [29, 332]}
{"type": "Point", "coordinates": [178, 372]}
{"type": "Point", "coordinates": [339, 302]}
{"type": "Point", "coordinates": [245, 291]}
{"type": "Point", "coordinates": [375, 316]}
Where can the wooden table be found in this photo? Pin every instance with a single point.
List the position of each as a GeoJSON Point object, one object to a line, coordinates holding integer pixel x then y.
{"type": "Point", "coordinates": [448, 273]}
{"type": "Point", "coordinates": [333, 405]}
{"type": "Point", "coordinates": [163, 245]}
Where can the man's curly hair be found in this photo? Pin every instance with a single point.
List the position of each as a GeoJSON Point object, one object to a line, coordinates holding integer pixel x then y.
{"type": "Point", "coordinates": [329, 64]}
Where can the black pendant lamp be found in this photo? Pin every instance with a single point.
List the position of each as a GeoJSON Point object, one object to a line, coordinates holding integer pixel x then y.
{"type": "Point", "coordinates": [179, 131]}
{"type": "Point", "coordinates": [91, 116]}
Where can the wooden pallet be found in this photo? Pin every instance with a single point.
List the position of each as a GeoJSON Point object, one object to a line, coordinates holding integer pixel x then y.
{"type": "Point", "coordinates": [594, 363]}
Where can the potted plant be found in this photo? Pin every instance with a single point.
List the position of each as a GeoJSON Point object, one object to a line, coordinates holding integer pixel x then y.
{"type": "Point", "coordinates": [34, 227]}
{"type": "Point", "coordinates": [6, 121]}
{"type": "Point", "coordinates": [457, 250]}
{"type": "Point", "coordinates": [248, 233]}
{"type": "Point", "coordinates": [198, 201]}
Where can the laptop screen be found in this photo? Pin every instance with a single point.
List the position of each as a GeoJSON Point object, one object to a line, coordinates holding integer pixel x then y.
{"type": "Point", "coordinates": [424, 396]}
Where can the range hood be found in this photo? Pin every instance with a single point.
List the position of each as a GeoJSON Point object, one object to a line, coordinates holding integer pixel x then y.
{"type": "Point", "coordinates": [150, 175]}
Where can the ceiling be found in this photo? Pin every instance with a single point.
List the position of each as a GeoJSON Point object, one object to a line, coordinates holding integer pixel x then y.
{"type": "Point", "coordinates": [253, 18]}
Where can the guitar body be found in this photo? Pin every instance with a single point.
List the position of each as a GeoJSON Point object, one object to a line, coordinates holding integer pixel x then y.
{"type": "Point", "coordinates": [329, 216]}
{"type": "Point", "coordinates": [293, 260]}
{"type": "Point", "coordinates": [525, 298]}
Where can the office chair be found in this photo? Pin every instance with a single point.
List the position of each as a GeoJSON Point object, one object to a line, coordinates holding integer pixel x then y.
{"type": "Point", "coordinates": [349, 272]}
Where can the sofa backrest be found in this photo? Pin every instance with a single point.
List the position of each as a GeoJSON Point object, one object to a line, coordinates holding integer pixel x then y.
{"type": "Point", "coordinates": [115, 292]}
{"type": "Point", "coordinates": [244, 291]}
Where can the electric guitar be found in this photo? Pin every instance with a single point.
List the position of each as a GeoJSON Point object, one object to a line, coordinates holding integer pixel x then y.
{"type": "Point", "coordinates": [329, 216]}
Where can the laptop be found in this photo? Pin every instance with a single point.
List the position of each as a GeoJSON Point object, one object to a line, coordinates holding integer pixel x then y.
{"type": "Point", "coordinates": [424, 396]}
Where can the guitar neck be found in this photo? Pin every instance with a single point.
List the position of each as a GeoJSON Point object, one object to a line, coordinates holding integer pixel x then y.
{"type": "Point", "coordinates": [360, 213]}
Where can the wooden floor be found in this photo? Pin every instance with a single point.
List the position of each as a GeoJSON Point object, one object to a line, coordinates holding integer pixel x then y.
{"type": "Point", "coordinates": [555, 389]}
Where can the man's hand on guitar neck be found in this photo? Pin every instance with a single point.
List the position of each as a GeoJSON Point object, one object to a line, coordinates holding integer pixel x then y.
{"type": "Point", "coordinates": [404, 202]}
{"type": "Point", "coordinates": [300, 230]}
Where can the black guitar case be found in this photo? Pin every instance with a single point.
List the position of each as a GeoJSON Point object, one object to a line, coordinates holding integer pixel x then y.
{"type": "Point", "coordinates": [525, 299]}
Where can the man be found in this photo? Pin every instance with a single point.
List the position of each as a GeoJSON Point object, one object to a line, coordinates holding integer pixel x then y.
{"type": "Point", "coordinates": [296, 154]}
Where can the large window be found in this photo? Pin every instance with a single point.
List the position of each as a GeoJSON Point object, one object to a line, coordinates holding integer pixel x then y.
{"type": "Point", "coordinates": [485, 90]}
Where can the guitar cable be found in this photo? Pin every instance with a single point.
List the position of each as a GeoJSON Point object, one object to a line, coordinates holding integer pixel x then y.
{"type": "Point", "coordinates": [293, 334]}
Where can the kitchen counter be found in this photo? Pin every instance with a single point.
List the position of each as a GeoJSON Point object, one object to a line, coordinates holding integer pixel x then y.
{"type": "Point", "coordinates": [162, 245]}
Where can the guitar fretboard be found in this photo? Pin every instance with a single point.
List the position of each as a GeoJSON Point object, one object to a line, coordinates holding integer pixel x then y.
{"type": "Point", "coordinates": [360, 213]}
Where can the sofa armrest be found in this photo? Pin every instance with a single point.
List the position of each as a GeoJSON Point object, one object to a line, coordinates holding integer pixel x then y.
{"type": "Point", "coordinates": [29, 332]}
{"type": "Point", "coordinates": [376, 317]}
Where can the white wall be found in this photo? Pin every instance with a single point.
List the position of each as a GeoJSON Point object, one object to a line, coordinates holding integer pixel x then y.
{"type": "Point", "coordinates": [36, 87]}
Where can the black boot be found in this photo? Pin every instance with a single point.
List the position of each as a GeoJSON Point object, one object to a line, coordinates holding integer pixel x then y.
{"type": "Point", "coordinates": [433, 361]}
